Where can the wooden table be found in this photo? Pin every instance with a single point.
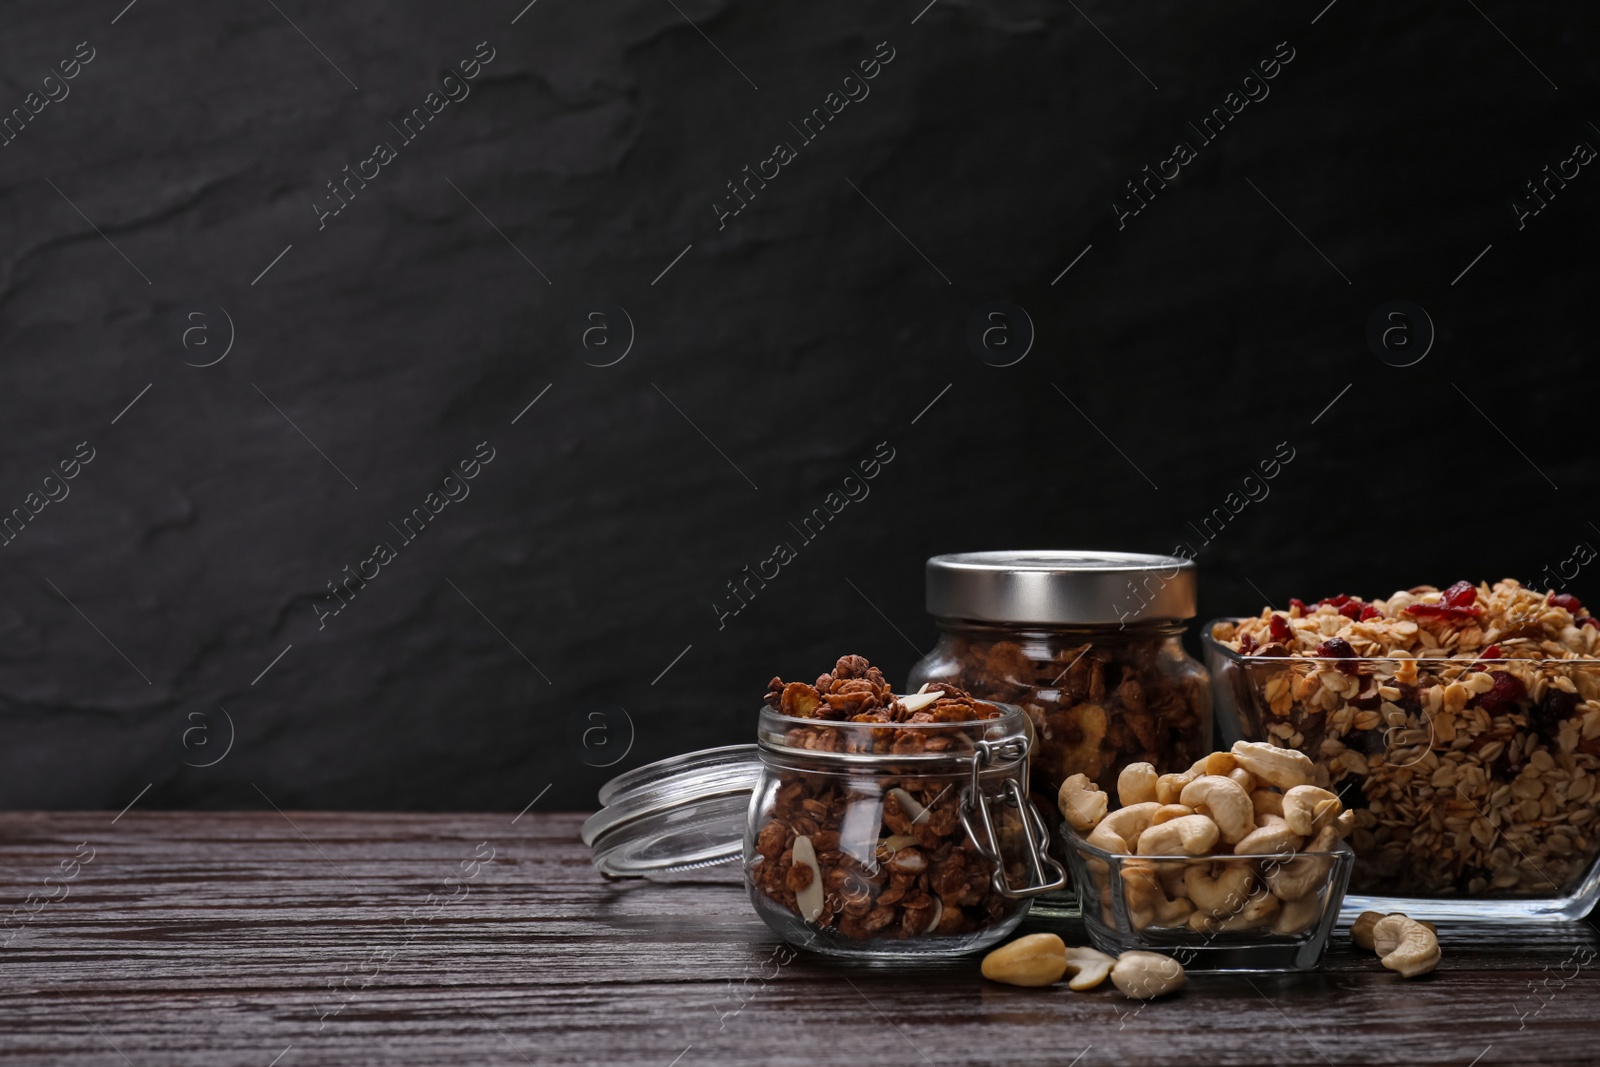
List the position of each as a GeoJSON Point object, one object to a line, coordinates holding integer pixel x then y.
{"type": "Point", "coordinates": [314, 938]}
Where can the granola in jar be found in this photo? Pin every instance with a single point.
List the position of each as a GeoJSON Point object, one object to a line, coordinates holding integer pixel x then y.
{"type": "Point", "coordinates": [1462, 725]}
{"type": "Point", "coordinates": [865, 828]}
{"type": "Point", "coordinates": [1087, 644]}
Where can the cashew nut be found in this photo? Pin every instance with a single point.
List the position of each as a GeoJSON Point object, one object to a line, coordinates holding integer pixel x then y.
{"type": "Point", "coordinates": [1143, 975]}
{"type": "Point", "coordinates": [1271, 838]}
{"type": "Point", "coordinates": [1326, 839]}
{"type": "Point", "coordinates": [1088, 967]}
{"type": "Point", "coordinates": [1146, 897]}
{"type": "Point", "coordinates": [1141, 884]}
{"type": "Point", "coordinates": [1221, 895]}
{"type": "Point", "coordinates": [1032, 960]}
{"type": "Point", "coordinates": [1172, 878]}
{"type": "Point", "coordinates": [1307, 807]}
{"type": "Point", "coordinates": [1119, 831]}
{"type": "Point", "coordinates": [1297, 877]}
{"type": "Point", "coordinates": [1190, 835]}
{"type": "Point", "coordinates": [1103, 880]}
{"type": "Point", "coordinates": [1246, 780]}
{"type": "Point", "coordinates": [1168, 812]}
{"type": "Point", "coordinates": [1383, 947]}
{"type": "Point", "coordinates": [1136, 784]}
{"type": "Point", "coordinates": [1218, 763]}
{"type": "Point", "coordinates": [1105, 840]}
{"type": "Point", "coordinates": [1297, 915]}
{"type": "Point", "coordinates": [1082, 803]}
{"type": "Point", "coordinates": [1346, 822]}
{"type": "Point", "coordinates": [1228, 804]}
{"type": "Point", "coordinates": [1361, 929]}
{"type": "Point", "coordinates": [1405, 945]}
{"type": "Point", "coordinates": [1170, 786]}
{"type": "Point", "coordinates": [1267, 802]}
{"type": "Point", "coordinates": [1256, 911]}
{"type": "Point", "coordinates": [1282, 767]}
{"type": "Point", "coordinates": [1173, 913]}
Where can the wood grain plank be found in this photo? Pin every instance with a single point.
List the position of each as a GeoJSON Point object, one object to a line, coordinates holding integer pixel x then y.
{"type": "Point", "coordinates": [232, 938]}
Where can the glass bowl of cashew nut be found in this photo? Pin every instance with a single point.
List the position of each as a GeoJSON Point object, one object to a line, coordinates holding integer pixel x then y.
{"type": "Point", "coordinates": [1238, 863]}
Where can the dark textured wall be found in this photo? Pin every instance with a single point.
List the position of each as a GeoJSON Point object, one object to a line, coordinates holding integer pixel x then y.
{"type": "Point", "coordinates": [171, 604]}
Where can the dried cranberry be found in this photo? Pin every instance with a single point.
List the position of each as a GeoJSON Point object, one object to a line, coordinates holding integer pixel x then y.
{"type": "Point", "coordinates": [1335, 648]}
{"type": "Point", "coordinates": [1547, 716]}
{"type": "Point", "coordinates": [1492, 652]}
{"type": "Point", "coordinates": [1589, 620]}
{"type": "Point", "coordinates": [1459, 608]}
{"type": "Point", "coordinates": [1369, 612]}
{"type": "Point", "coordinates": [1281, 630]}
{"type": "Point", "coordinates": [1247, 644]}
{"type": "Point", "coordinates": [1336, 601]}
{"type": "Point", "coordinates": [1352, 610]}
{"type": "Point", "coordinates": [1566, 600]}
{"type": "Point", "coordinates": [1504, 698]}
{"type": "Point", "coordinates": [1296, 604]}
{"type": "Point", "coordinates": [1338, 648]}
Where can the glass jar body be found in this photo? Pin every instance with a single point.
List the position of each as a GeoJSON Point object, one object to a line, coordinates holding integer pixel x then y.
{"type": "Point", "coordinates": [857, 844]}
{"type": "Point", "coordinates": [1097, 697]}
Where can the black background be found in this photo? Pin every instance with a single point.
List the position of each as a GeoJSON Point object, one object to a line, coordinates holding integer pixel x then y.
{"type": "Point", "coordinates": [1196, 338]}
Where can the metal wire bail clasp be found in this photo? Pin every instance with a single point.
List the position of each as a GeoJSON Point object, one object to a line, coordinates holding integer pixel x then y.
{"type": "Point", "coordinates": [1046, 873]}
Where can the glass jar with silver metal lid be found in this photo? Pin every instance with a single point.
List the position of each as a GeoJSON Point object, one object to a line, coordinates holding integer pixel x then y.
{"type": "Point", "coordinates": [1088, 644]}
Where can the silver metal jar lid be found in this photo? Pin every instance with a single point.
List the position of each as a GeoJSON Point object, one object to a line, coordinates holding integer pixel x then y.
{"type": "Point", "coordinates": [1061, 587]}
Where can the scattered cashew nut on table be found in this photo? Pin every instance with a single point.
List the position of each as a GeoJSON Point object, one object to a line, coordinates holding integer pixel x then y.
{"type": "Point", "coordinates": [1043, 959]}
{"type": "Point", "coordinates": [1032, 960]}
{"type": "Point", "coordinates": [1405, 945]}
{"type": "Point", "coordinates": [1145, 975]}
{"type": "Point", "coordinates": [1088, 967]}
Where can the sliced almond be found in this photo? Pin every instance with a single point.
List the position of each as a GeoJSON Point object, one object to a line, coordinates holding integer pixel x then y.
{"type": "Point", "coordinates": [913, 810]}
{"type": "Point", "coordinates": [918, 701]}
{"type": "Point", "coordinates": [1088, 967]}
{"type": "Point", "coordinates": [809, 899]}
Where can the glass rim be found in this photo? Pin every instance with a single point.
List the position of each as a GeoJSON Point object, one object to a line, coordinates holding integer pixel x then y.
{"type": "Point", "coordinates": [1211, 642]}
{"type": "Point", "coordinates": [1008, 713]}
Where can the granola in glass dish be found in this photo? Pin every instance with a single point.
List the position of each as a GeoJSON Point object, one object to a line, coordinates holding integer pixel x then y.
{"type": "Point", "coordinates": [1462, 726]}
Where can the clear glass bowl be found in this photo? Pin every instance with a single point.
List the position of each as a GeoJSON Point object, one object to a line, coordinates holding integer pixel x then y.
{"type": "Point", "coordinates": [1241, 923]}
{"type": "Point", "coordinates": [878, 840]}
{"type": "Point", "coordinates": [1471, 802]}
